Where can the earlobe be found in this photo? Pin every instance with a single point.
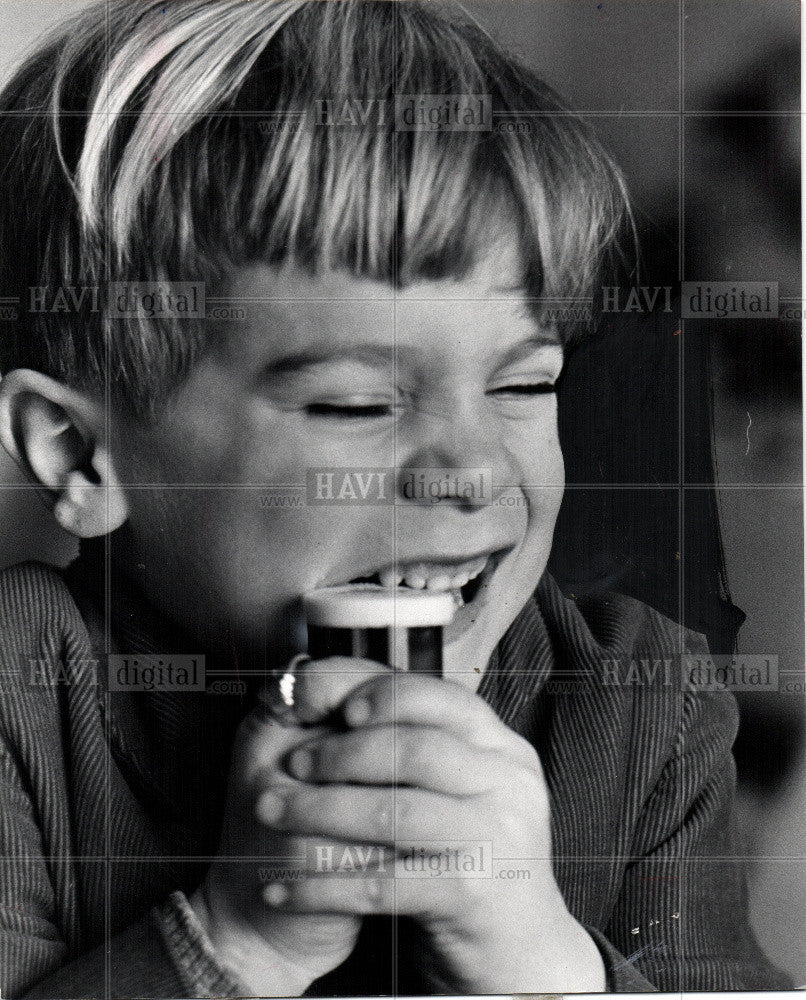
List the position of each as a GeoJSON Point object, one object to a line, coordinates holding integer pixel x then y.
{"type": "Point", "coordinates": [56, 435]}
{"type": "Point", "coordinates": [89, 510]}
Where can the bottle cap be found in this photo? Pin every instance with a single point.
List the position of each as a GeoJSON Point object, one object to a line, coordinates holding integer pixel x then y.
{"type": "Point", "coordinates": [368, 605]}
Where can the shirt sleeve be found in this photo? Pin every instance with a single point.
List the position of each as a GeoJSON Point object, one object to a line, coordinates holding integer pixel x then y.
{"type": "Point", "coordinates": [163, 954]}
{"type": "Point", "coordinates": [621, 975]}
{"type": "Point", "coordinates": [681, 918]}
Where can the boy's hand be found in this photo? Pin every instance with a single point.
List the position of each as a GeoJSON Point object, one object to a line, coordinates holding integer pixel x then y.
{"type": "Point", "coordinates": [427, 767]}
{"type": "Point", "coordinates": [270, 951]}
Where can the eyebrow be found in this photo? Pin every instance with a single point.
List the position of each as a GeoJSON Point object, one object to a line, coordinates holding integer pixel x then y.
{"type": "Point", "coordinates": [525, 348]}
{"type": "Point", "coordinates": [378, 356]}
{"type": "Point", "coordinates": [372, 355]}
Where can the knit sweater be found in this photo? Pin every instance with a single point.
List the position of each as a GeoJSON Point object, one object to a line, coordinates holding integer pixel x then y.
{"type": "Point", "coordinates": [110, 801]}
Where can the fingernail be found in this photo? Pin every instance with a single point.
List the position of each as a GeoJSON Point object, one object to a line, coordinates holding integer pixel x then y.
{"type": "Point", "coordinates": [301, 764]}
{"type": "Point", "coordinates": [270, 807]}
{"type": "Point", "coordinates": [357, 712]}
{"type": "Point", "coordinates": [275, 894]}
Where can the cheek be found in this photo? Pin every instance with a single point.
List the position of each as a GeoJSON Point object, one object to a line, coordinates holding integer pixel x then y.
{"type": "Point", "coordinates": [540, 458]}
{"type": "Point", "coordinates": [545, 485]}
{"type": "Point", "coordinates": [553, 461]}
{"type": "Point", "coordinates": [273, 544]}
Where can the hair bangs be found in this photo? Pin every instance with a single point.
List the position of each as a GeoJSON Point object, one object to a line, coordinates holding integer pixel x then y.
{"type": "Point", "coordinates": [204, 135]}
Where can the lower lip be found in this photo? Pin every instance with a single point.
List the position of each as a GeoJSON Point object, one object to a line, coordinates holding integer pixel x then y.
{"type": "Point", "coordinates": [468, 614]}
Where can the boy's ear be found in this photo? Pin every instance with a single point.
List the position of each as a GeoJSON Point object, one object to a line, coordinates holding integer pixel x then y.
{"type": "Point", "coordinates": [58, 438]}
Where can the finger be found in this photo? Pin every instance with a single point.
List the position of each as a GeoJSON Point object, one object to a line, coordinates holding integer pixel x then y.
{"type": "Point", "coordinates": [424, 757]}
{"type": "Point", "coordinates": [398, 817]}
{"type": "Point", "coordinates": [259, 749]}
{"type": "Point", "coordinates": [320, 686]}
{"type": "Point", "coordinates": [297, 858]}
{"type": "Point", "coordinates": [419, 700]}
{"type": "Point", "coordinates": [402, 889]}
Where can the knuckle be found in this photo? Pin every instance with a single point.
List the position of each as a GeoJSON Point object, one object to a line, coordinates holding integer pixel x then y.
{"type": "Point", "coordinates": [522, 752]}
{"type": "Point", "coordinates": [527, 799]}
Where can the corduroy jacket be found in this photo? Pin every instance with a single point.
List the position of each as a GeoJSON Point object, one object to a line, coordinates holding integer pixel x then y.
{"type": "Point", "coordinates": [110, 801]}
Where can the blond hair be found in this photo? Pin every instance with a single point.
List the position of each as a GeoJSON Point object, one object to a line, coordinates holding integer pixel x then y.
{"type": "Point", "coordinates": [132, 150]}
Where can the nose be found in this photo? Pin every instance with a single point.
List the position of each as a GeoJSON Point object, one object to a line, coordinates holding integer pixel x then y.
{"type": "Point", "coordinates": [456, 459]}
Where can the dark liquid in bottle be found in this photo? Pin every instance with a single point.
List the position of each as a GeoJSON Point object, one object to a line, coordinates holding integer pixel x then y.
{"type": "Point", "coordinates": [418, 649]}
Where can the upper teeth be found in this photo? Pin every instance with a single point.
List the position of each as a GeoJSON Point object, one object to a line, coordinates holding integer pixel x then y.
{"type": "Point", "coordinates": [433, 576]}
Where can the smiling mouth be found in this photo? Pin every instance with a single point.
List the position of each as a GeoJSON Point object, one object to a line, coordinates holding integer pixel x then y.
{"type": "Point", "coordinates": [463, 578]}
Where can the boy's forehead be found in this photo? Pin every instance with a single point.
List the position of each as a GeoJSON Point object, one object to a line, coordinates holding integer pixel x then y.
{"type": "Point", "coordinates": [336, 306]}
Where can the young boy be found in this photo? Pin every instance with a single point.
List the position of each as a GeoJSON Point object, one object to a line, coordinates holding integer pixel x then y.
{"type": "Point", "coordinates": [375, 259]}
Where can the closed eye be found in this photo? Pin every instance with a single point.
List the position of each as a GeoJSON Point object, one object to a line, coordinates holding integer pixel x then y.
{"type": "Point", "coordinates": [348, 412]}
{"type": "Point", "coordinates": [526, 389]}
